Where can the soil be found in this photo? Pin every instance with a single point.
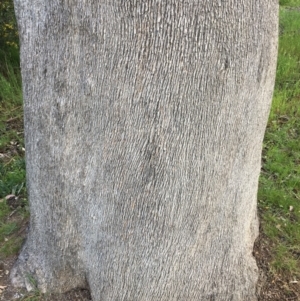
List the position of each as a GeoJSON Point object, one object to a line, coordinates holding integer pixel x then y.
{"type": "Point", "coordinates": [272, 287]}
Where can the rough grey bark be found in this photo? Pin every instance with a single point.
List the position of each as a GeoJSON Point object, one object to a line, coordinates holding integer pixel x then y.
{"type": "Point", "coordinates": [144, 123]}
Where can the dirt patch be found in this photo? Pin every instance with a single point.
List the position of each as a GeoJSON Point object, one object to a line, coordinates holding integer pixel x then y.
{"type": "Point", "coordinates": [272, 287]}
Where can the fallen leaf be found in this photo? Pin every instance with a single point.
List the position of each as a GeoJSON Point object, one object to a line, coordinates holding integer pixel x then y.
{"type": "Point", "coordinates": [294, 281]}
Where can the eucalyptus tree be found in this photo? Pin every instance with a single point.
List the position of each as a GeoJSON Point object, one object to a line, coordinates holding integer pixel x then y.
{"type": "Point", "coordinates": [144, 123]}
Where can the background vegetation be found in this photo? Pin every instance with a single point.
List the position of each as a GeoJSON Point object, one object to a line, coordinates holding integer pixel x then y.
{"type": "Point", "coordinates": [12, 164]}
{"type": "Point", "coordinates": [8, 25]}
{"type": "Point", "coordinates": [279, 189]}
{"type": "Point", "coordinates": [279, 193]}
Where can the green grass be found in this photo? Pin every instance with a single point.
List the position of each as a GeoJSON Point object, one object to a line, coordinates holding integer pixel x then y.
{"type": "Point", "coordinates": [12, 163]}
{"type": "Point", "coordinates": [290, 3]}
{"type": "Point", "coordinates": [279, 192]}
{"type": "Point", "coordinates": [10, 98]}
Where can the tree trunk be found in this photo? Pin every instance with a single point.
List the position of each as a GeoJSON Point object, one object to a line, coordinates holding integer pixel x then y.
{"type": "Point", "coordinates": [144, 123]}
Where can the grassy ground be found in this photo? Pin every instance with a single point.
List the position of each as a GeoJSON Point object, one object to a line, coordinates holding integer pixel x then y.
{"type": "Point", "coordinates": [279, 192]}
{"type": "Point", "coordinates": [12, 163]}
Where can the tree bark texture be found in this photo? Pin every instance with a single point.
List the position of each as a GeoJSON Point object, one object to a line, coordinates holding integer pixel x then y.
{"type": "Point", "coordinates": [144, 123]}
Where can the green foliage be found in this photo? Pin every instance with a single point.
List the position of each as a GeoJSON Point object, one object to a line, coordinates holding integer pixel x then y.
{"type": "Point", "coordinates": [279, 192]}
{"type": "Point", "coordinates": [11, 123]}
{"type": "Point", "coordinates": [35, 294]}
{"type": "Point", "coordinates": [8, 25]}
{"type": "Point", "coordinates": [10, 78]}
{"type": "Point", "coordinates": [12, 164]}
{"type": "Point", "coordinates": [12, 177]}
{"type": "Point", "coordinates": [8, 243]}
{"type": "Point", "coordinates": [291, 3]}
